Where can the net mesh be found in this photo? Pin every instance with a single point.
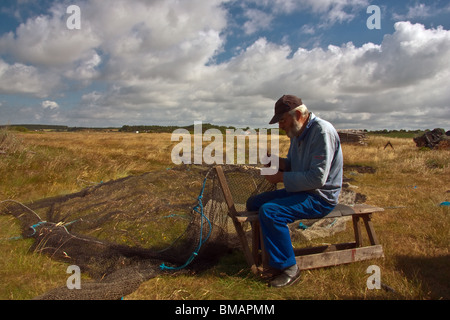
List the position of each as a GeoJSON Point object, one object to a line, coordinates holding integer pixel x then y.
{"type": "Point", "coordinates": [124, 232]}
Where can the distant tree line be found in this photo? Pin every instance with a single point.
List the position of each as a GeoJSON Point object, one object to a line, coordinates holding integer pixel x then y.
{"type": "Point", "coordinates": [34, 127]}
{"type": "Point", "coordinates": [402, 133]}
{"type": "Point", "coordinates": [170, 129]}
{"type": "Point", "coordinates": [386, 131]}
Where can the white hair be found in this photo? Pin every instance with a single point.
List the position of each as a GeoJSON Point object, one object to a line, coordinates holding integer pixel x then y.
{"type": "Point", "coordinates": [303, 110]}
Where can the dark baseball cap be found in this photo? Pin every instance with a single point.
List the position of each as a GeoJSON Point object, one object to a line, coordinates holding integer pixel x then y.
{"type": "Point", "coordinates": [285, 104]}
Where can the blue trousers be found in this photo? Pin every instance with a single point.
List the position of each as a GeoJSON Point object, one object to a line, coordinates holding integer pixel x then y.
{"type": "Point", "coordinates": [277, 209]}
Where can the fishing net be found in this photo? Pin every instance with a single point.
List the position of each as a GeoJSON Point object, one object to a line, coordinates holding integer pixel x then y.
{"type": "Point", "coordinates": [124, 232]}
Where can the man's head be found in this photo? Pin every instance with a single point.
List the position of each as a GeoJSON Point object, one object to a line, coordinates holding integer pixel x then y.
{"type": "Point", "coordinates": [291, 115]}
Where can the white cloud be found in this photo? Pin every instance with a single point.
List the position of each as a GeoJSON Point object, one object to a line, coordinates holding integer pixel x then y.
{"type": "Point", "coordinates": [332, 11]}
{"type": "Point", "coordinates": [133, 40]}
{"type": "Point", "coordinates": [46, 40]}
{"type": "Point", "coordinates": [370, 86]}
{"type": "Point", "coordinates": [86, 68]}
{"type": "Point", "coordinates": [51, 105]}
{"type": "Point", "coordinates": [23, 79]}
{"type": "Point", "coordinates": [420, 10]}
{"type": "Point", "coordinates": [308, 29]}
{"type": "Point", "coordinates": [151, 62]}
{"type": "Point", "coordinates": [404, 74]}
{"type": "Point", "coordinates": [257, 20]}
{"type": "Point", "coordinates": [348, 85]}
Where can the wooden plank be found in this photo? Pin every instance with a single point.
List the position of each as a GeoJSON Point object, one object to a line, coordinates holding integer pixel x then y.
{"type": "Point", "coordinates": [247, 216]}
{"type": "Point", "coordinates": [345, 210]}
{"type": "Point", "coordinates": [324, 248]}
{"type": "Point", "coordinates": [365, 208]}
{"type": "Point", "coordinates": [340, 210]}
{"type": "Point", "coordinates": [333, 258]}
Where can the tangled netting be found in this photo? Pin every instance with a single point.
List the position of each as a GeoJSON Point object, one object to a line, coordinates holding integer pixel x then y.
{"type": "Point", "coordinates": [124, 232]}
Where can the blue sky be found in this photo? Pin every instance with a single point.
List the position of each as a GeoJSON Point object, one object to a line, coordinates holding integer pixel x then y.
{"type": "Point", "coordinates": [174, 62]}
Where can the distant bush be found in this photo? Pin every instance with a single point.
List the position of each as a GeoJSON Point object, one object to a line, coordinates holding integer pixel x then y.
{"type": "Point", "coordinates": [19, 129]}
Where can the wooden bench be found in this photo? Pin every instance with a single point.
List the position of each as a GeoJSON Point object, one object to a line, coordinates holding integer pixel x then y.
{"type": "Point", "coordinates": [307, 258]}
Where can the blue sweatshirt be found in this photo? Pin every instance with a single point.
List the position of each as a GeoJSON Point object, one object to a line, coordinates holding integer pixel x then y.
{"type": "Point", "coordinates": [314, 162]}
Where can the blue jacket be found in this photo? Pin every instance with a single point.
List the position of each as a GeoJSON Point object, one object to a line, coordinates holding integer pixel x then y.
{"type": "Point", "coordinates": [314, 162]}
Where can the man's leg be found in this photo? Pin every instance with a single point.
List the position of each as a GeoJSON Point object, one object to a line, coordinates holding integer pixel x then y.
{"type": "Point", "coordinates": [255, 202]}
{"type": "Point", "coordinates": [274, 216]}
{"type": "Point", "coordinates": [276, 210]}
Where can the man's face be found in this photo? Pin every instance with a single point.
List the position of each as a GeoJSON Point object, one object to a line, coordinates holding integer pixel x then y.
{"type": "Point", "coordinates": [290, 125]}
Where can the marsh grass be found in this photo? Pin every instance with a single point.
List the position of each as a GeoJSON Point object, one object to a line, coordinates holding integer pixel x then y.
{"type": "Point", "coordinates": [408, 182]}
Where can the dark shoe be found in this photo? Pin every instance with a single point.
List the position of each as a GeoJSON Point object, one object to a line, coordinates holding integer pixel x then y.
{"type": "Point", "coordinates": [288, 277]}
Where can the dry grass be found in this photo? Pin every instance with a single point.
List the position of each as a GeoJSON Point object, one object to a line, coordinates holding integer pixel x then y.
{"type": "Point", "coordinates": [410, 183]}
{"type": "Point", "coordinates": [63, 162]}
{"type": "Point", "coordinates": [22, 273]}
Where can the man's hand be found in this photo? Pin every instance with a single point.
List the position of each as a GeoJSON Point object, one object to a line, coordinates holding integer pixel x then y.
{"type": "Point", "coordinates": [280, 162]}
{"type": "Point", "coordinates": [275, 178]}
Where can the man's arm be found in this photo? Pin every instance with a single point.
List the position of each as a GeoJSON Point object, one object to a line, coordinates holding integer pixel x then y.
{"type": "Point", "coordinates": [318, 160]}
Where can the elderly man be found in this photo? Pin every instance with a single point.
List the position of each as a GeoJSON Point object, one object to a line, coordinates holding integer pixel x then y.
{"type": "Point", "coordinates": [312, 178]}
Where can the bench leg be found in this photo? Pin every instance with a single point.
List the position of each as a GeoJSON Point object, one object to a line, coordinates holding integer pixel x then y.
{"type": "Point", "coordinates": [370, 230]}
{"type": "Point", "coordinates": [258, 249]}
{"type": "Point", "coordinates": [256, 236]}
{"type": "Point", "coordinates": [264, 255]}
{"type": "Point", "coordinates": [357, 230]}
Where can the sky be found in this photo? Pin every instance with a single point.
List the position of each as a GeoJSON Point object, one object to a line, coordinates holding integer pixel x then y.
{"type": "Point", "coordinates": [226, 62]}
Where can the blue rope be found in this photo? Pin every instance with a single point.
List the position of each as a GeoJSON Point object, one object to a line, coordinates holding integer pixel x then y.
{"type": "Point", "coordinates": [33, 227]}
{"type": "Point", "coordinates": [199, 209]}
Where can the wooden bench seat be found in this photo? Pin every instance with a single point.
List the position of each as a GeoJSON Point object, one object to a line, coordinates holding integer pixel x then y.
{"type": "Point", "coordinates": [307, 258]}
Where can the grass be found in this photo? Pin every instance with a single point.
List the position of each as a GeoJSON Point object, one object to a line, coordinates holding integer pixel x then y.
{"type": "Point", "coordinates": [22, 273]}
{"type": "Point", "coordinates": [409, 182]}
{"type": "Point", "coordinates": [61, 163]}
